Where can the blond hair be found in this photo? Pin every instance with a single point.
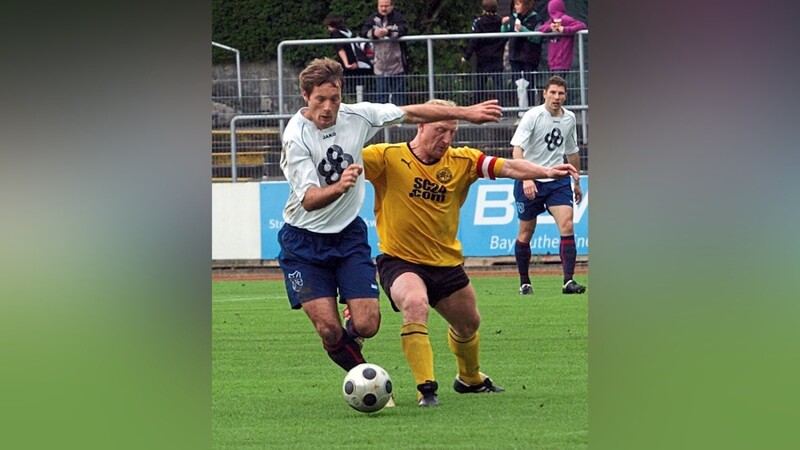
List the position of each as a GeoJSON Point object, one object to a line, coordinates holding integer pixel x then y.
{"type": "Point", "coordinates": [439, 101]}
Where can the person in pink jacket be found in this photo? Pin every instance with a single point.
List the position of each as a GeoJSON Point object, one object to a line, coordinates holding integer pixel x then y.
{"type": "Point", "coordinates": [560, 49]}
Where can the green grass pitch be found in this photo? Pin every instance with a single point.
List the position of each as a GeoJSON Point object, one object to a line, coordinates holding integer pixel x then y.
{"type": "Point", "coordinates": [273, 386]}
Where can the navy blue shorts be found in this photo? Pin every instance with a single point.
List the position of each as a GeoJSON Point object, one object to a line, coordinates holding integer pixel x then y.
{"type": "Point", "coordinates": [440, 281]}
{"type": "Point", "coordinates": [317, 265]}
{"type": "Point", "coordinates": [551, 193]}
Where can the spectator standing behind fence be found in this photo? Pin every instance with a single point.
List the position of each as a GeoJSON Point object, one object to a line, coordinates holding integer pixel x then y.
{"type": "Point", "coordinates": [488, 52]}
{"type": "Point", "coordinates": [390, 60]}
{"type": "Point", "coordinates": [357, 66]}
{"type": "Point", "coordinates": [560, 49]}
{"type": "Point", "coordinates": [524, 53]}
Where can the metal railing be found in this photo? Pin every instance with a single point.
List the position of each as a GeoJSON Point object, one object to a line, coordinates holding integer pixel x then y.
{"type": "Point", "coordinates": [238, 67]}
{"type": "Point", "coordinates": [253, 146]}
{"type": "Point", "coordinates": [429, 38]}
{"type": "Point", "coordinates": [472, 135]}
{"type": "Point", "coordinates": [234, 167]}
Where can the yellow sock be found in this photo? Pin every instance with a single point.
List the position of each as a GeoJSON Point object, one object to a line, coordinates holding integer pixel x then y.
{"type": "Point", "coordinates": [466, 352]}
{"type": "Point", "coordinates": [418, 351]}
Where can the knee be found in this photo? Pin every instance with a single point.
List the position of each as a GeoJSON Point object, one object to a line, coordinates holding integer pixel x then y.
{"type": "Point", "coordinates": [470, 326]}
{"type": "Point", "coordinates": [330, 334]}
{"type": "Point", "coordinates": [567, 228]}
{"type": "Point", "coordinates": [525, 232]}
{"type": "Point", "coordinates": [416, 310]}
{"type": "Point", "coordinates": [473, 325]}
{"type": "Point", "coordinates": [368, 326]}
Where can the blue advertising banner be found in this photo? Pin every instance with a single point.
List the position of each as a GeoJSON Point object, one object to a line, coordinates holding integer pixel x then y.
{"type": "Point", "coordinates": [488, 220]}
{"type": "Point", "coordinates": [273, 199]}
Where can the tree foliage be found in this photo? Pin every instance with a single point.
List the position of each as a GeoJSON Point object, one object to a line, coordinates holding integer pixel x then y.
{"type": "Point", "coordinates": [256, 27]}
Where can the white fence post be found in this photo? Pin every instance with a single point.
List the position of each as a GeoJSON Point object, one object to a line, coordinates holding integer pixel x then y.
{"type": "Point", "coordinates": [238, 68]}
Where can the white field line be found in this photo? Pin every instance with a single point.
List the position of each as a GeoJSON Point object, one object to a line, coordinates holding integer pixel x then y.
{"type": "Point", "coordinates": [247, 299]}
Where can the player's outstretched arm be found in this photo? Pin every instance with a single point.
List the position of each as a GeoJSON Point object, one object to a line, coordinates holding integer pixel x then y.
{"type": "Point", "coordinates": [488, 111]}
{"type": "Point", "coordinates": [575, 160]}
{"type": "Point", "coordinates": [520, 169]}
{"type": "Point", "coordinates": [564, 170]}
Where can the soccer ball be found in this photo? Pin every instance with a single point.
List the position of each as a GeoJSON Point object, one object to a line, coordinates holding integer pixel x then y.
{"type": "Point", "coordinates": [367, 387]}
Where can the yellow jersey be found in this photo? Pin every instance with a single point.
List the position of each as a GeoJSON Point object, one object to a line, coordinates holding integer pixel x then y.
{"type": "Point", "coordinates": [418, 205]}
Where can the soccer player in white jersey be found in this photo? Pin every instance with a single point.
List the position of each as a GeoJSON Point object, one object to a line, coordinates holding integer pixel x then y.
{"type": "Point", "coordinates": [546, 134]}
{"type": "Point", "coordinates": [324, 248]}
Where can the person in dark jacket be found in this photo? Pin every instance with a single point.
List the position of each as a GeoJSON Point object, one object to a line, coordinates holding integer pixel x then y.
{"type": "Point", "coordinates": [488, 52]}
{"type": "Point", "coordinates": [524, 53]}
{"type": "Point", "coordinates": [357, 66]}
{"type": "Point", "coordinates": [390, 60]}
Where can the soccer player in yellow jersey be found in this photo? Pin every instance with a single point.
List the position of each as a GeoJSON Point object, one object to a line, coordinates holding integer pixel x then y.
{"type": "Point", "coordinates": [419, 189]}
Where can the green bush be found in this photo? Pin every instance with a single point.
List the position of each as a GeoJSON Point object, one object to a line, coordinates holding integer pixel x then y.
{"type": "Point", "coordinates": [256, 27]}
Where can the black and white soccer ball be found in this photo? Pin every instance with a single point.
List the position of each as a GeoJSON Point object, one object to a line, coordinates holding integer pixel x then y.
{"type": "Point", "coordinates": [367, 387]}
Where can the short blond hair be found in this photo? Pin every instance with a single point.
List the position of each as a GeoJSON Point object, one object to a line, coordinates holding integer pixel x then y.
{"type": "Point", "coordinates": [319, 72]}
{"type": "Point", "coordinates": [439, 101]}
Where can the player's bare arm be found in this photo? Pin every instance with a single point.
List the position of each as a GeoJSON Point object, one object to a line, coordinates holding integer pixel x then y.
{"type": "Point", "coordinates": [319, 197]}
{"type": "Point", "coordinates": [517, 152]}
{"type": "Point", "coordinates": [488, 111]}
{"type": "Point", "coordinates": [520, 169]}
{"type": "Point", "coordinates": [575, 160]}
{"type": "Point", "coordinates": [528, 186]}
{"type": "Point", "coordinates": [563, 170]}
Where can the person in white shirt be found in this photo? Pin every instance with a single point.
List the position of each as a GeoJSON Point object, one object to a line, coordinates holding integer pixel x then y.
{"type": "Point", "coordinates": [545, 136]}
{"type": "Point", "coordinates": [324, 246]}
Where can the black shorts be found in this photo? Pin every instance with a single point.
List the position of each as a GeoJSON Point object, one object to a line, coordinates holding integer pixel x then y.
{"type": "Point", "coordinates": [440, 281]}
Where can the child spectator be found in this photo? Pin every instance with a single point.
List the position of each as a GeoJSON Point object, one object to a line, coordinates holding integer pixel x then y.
{"type": "Point", "coordinates": [357, 66]}
{"type": "Point", "coordinates": [524, 53]}
{"type": "Point", "coordinates": [488, 52]}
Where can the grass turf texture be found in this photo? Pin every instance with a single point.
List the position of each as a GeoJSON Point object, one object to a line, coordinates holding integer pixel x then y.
{"type": "Point", "coordinates": [273, 386]}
